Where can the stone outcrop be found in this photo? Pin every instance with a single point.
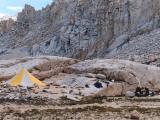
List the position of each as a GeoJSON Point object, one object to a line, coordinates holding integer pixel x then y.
{"type": "Point", "coordinates": [42, 67]}
{"type": "Point", "coordinates": [6, 25]}
{"type": "Point", "coordinates": [120, 77]}
{"type": "Point", "coordinates": [81, 28]}
{"type": "Point", "coordinates": [128, 74]}
{"type": "Point", "coordinates": [112, 90]}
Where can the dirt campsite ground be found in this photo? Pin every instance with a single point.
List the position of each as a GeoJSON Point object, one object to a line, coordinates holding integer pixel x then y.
{"type": "Point", "coordinates": [116, 108]}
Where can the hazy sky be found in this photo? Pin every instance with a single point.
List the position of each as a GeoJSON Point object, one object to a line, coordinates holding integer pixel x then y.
{"type": "Point", "coordinates": [12, 7]}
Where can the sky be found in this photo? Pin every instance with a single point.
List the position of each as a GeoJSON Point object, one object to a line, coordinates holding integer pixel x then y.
{"type": "Point", "coordinates": [12, 7]}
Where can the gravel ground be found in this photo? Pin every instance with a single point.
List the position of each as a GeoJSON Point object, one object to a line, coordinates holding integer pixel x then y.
{"type": "Point", "coordinates": [141, 48]}
{"type": "Point", "coordinates": [113, 109]}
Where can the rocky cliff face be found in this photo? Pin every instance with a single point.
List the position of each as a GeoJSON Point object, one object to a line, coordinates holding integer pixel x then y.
{"type": "Point", "coordinates": [6, 25]}
{"type": "Point", "coordinates": [81, 28]}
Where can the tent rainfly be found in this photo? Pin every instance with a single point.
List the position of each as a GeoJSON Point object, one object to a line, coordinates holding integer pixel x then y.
{"type": "Point", "coordinates": [25, 79]}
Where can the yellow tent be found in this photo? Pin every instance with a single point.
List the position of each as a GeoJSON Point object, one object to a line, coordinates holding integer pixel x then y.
{"type": "Point", "coordinates": [24, 78]}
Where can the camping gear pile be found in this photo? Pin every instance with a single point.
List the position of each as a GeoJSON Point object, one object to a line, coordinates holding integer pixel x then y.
{"type": "Point", "coordinates": [143, 92]}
